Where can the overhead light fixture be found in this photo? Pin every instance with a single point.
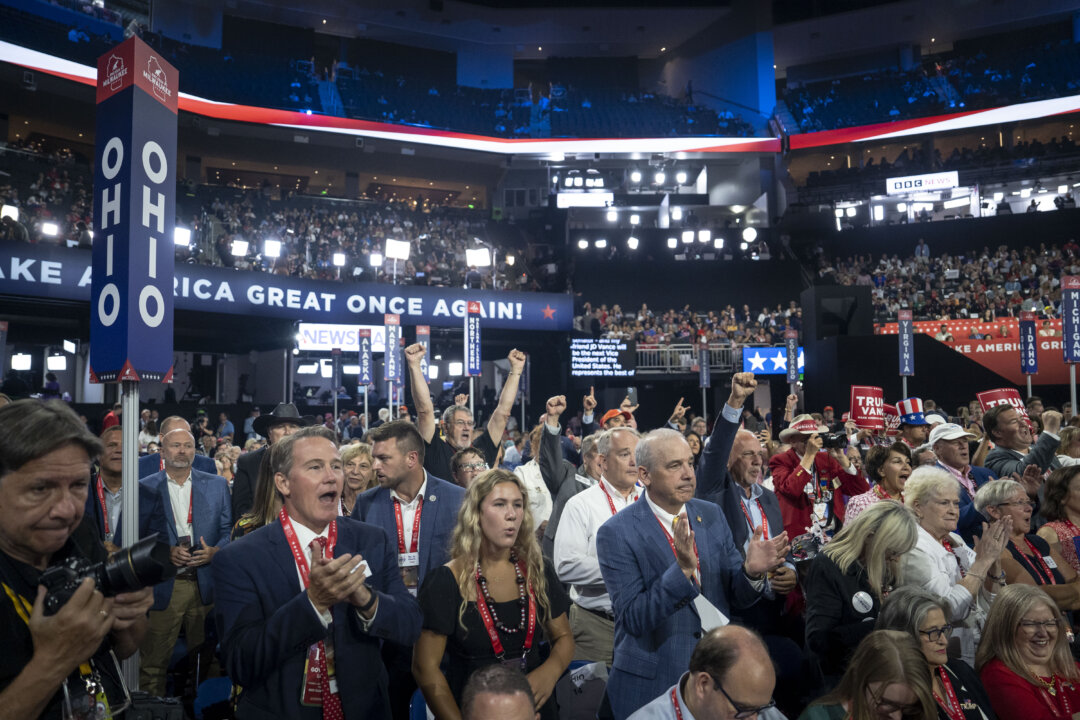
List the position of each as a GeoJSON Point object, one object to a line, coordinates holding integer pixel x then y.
{"type": "Point", "coordinates": [600, 244]}
{"type": "Point", "coordinates": [272, 248]}
{"type": "Point", "coordinates": [70, 347]}
{"type": "Point", "coordinates": [375, 259]}
{"type": "Point", "coordinates": [397, 249]}
{"type": "Point", "coordinates": [1025, 193]}
{"type": "Point", "coordinates": [839, 212]}
{"type": "Point", "coordinates": [718, 243]}
{"type": "Point", "coordinates": [239, 248]}
{"type": "Point", "coordinates": [612, 216]}
{"type": "Point", "coordinates": [50, 229]}
{"type": "Point", "coordinates": [13, 212]}
{"type": "Point", "coordinates": [326, 367]}
{"type": "Point", "coordinates": [477, 257]}
{"type": "Point", "coordinates": [635, 176]}
{"type": "Point", "coordinates": [432, 371]}
{"type": "Point", "coordinates": [660, 177]}
{"type": "Point", "coordinates": [579, 181]}
{"type": "Point", "coordinates": [632, 242]}
{"type": "Point", "coordinates": [350, 369]}
{"type": "Point", "coordinates": [743, 246]}
{"type": "Point", "coordinates": [21, 361]}
{"type": "Point", "coordinates": [583, 244]}
{"type": "Point", "coordinates": [455, 369]}
{"type": "Point", "coordinates": [749, 234]}
{"type": "Point", "coordinates": [1062, 189]}
{"type": "Point", "coordinates": [510, 260]}
{"type": "Point", "coordinates": [956, 203]}
{"type": "Point", "coordinates": [339, 259]}
{"type": "Point", "coordinates": [635, 219]}
{"type": "Point", "coordinates": [687, 237]}
{"type": "Point", "coordinates": [672, 242]}
{"type": "Point", "coordinates": [901, 207]}
{"type": "Point", "coordinates": [704, 236]}
{"type": "Point", "coordinates": [56, 363]}
{"type": "Point", "coordinates": [676, 214]}
{"type": "Point", "coordinates": [879, 213]}
{"type": "Point", "coordinates": [680, 177]}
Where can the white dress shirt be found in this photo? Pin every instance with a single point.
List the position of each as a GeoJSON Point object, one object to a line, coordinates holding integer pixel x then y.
{"type": "Point", "coordinates": [180, 497]}
{"type": "Point", "coordinates": [408, 516]}
{"type": "Point", "coordinates": [575, 543]}
{"type": "Point", "coordinates": [540, 504]}
{"type": "Point", "coordinates": [305, 536]}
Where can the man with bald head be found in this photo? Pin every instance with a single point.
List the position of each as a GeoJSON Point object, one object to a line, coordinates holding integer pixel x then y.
{"type": "Point", "coordinates": [498, 691]}
{"type": "Point", "coordinates": [730, 674]}
{"type": "Point", "coordinates": [150, 464]}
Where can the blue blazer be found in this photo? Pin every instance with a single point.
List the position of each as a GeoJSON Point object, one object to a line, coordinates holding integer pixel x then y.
{"type": "Point", "coordinates": [266, 624]}
{"type": "Point", "coordinates": [149, 508]}
{"type": "Point", "coordinates": [970, 523]}
{"type": "Point", "coordinates": [211, 518]}
{"type": "Point", "coordinates": [438, 517]}
{"type": "Point", "coordinates": [150, 464]}
{"type": "Point", "coordinates": [656, 626]}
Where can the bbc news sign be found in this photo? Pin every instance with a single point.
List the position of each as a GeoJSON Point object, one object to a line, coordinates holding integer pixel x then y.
{"type": "Point", "coordinates": [131, 303]}
{"type": "Point", "coordinates": [922, 183]}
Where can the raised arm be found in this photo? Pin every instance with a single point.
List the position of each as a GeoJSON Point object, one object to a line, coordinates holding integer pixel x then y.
{"type": "Point", "coordinates": [497, 424]}
{"type": "Point", "coordinates": [425, 410]}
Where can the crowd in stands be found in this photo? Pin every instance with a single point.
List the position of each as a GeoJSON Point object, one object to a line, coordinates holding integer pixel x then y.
{"type": "Point", "coordinates": [1000, 73]}
{"type": "Point", "coordinates": [977, 284]}
{"type": "Point", "coordinates": [686, 326]}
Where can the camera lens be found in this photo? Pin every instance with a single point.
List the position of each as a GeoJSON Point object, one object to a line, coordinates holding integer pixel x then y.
{"type": "Point", "coordinates": [137, 566]}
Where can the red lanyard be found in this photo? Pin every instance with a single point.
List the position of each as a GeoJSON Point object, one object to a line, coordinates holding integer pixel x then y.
{"type": "Point", "coordinates": [949, 702]}
{"type": "Point", "coordinates": [610, 502]}
{"type": "Point", "coordinates": [1046, 572]}
{"type": "Point", "coordinates": [948, 546]}
{"type": "Point", "coordinates": [298, 552]}
{"type": "Point", "coordinates": [1052, 703]}
{"type": "Point", "coordinates": [101, 499]}
{"type": "Point", "coordinates": [675, 704]}
{"type": "Point", "coordinates": [750, 521]}
{"type": "Point", "coordinates": [489, 623]}
{"type": "Point", "coordinates": [671, 542]}
{"type": "Point", "coordinates": [161, 459]}
{"type": "Point", "coordinates": [401, 547]}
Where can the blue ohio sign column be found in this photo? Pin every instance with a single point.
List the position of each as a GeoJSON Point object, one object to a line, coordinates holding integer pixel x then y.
{"type": "Point", "coordinates": [131, 290]}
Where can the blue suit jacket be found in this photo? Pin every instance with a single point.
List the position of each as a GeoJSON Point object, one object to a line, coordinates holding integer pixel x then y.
{"type": "Point", "coordinates": [211, 519]}
{"type": "Point", "coordinates": [970, 523]}
{"type": "Point", "coordinates": [150, 464]}
{"type": "Point", "coordinates": [266, 623]}
{"type": "Point", "coordinates": [656, 627]}
{"type": "Point", "coordinates": [437, 519]}
{"type": "Point", "coordinates": [149, 508]}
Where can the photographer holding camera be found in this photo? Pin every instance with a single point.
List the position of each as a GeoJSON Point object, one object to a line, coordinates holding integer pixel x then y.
{"type": "Point", "coordinates": [45, 456]}
{"type": "Point", "coordinates": [812, 476]}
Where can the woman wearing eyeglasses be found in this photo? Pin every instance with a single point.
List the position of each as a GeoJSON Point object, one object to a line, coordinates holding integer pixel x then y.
{"type": "Point", "coordinates": [964, 579]}
{"type": "Point", "coordinates": [1028, 559]}
{"type": "Point", "coordinates": [848, 580]}
{"type": "Point", "coordinates": [958, 692]}
{"type": "Point", "coordinates": [1024, 659]}
{"type": "Point", "coordinates": [887, 679]}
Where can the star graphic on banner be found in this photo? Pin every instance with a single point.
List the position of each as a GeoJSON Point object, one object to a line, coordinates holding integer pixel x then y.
{"type": "Point", "coordinates": [779, 362]}
{"type": "Point", "coordinates": [802, 362]}
{"type": "Point", "coordinates": [549, 312]}
{"type": "Point", "coordinates": [757, 362]}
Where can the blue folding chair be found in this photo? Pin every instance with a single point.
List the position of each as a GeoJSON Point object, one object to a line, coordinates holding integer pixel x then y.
{"type": "Point", "coordinates": [417, 706]}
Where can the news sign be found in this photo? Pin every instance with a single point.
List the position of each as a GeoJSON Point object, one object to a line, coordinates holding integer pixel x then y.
{"type": "Point", "coordinates": [1070, 317]}
{"type": "Point", "coordinates": [392, 355]}
{"type": "Point", "coordinates": [472, 340]}
{"type": "Point", "coordinates": [423, 336]}
{"type": "Point", "coordinates": [1029, 344]}
{"type": "Point", "coordinates": [602, 357]}
{"type": "Point", "coordinates": [867, 407]}
{"type": "Point", "coordinates": [906, 338]}
{"type": "Point", "coordinates": [364, 348]}
{"type": "Point", "coordinates": [324, 337]}
{"type": "Point", "coordinates": [131, 299]}
{"type": "Point", "coordinates": [922, 183]}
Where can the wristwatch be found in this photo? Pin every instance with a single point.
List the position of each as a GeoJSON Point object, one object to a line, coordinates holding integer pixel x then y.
{"type": "Point", "coordinates": [371, 601]}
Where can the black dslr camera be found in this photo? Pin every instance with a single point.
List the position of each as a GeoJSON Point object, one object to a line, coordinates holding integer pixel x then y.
{"type": "Point", "coordinates": [833, 440]}
{"type": "Point", "coordinates": [129, 569]}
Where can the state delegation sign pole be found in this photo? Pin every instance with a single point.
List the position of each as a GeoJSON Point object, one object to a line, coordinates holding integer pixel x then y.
{"type": "Point", "coordinates": [906, 333]}
{"type": "Point", "coordinates": [1070, 328]}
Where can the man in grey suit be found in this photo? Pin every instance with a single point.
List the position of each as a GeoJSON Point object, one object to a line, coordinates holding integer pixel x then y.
{"type": "Point", "coordinates": [1015, 456]}
{"type": "Point", "coordinates": [194, 516]}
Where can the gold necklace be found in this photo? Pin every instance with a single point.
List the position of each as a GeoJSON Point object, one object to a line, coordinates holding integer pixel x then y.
{"type": "Point", "coordinates": [1050, 686]}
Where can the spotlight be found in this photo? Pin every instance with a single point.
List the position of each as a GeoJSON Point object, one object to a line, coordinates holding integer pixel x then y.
{"type": "Point", "coordinates": [749, 234]}
{"type": "Point", "coordinates": [839, 212]}
{"type": "Point", "coordinates": [743, 246]}
{"type": "Point", "coordinates": [879, 213]}
{"type": "Point", "coordinates": [660, 178]}
{"type": "Point", "coordinates": [704, 236]}
{"type": "Point", "coordinates": [339, 259]}
{"type": "Point", "coordinates": [600, 244]}
{"type": "Point", "coordinates": [680, 177]}
{"type": "Point", "coordinates": [1062, 189]}
{"type": "Point", "coordinates": [70, 347]}
{"type": "Point", "coordinates": [998, 197]}
{"type": "Point", "coordinates": [688, 237]}
{"type": "Point", "coordinates": [569, 182]}
{"type": "Point", "coordinates": [510, 260]}
{"type": "Point", "coordinates": [635, 219]}
{"type": "Point", "coordinates": [272, 248]}
{"type": "Point", "coordinates": [612, 216]}
{"type": "Point", "coordinates": [579, 181]}
{"type": "Point", "coordinates": [676, 214]}
{"type": "Point", "coordinates": [239, 248]}
{"type": "Point", "coordinates": [455, 369]}
{"type": "Point", "coordinates": [375, 259]}
{"type": "Point", "coordinates": [50, 229]}
{"type": "Point", "coordinates": [182, 236]}
{"type": "Point", "coordinates": [850, 212]}
{"type": "Point", "coordinates": [718, 243]}
{"type": "Point", "coordinates": [477, 257]}
{"type": "Point", "coordinates": [432, 372]}
{"type": "Point", "coordinates": [13, 212]}
{"type": "Point", "coordinates": [21, 361]}
{"type": "Point", "coordinates": [56, 363]}
{"type": "Point", "coordinates": [397, 249]}
{"type": "Point", "coordinates": [902, 207]}
{"type": "Point", "coordinates": [672, 243]}
{"type": "Point", "coordinates": [632, 242]}
{"type": "Point", "coordinates": [635, 176]}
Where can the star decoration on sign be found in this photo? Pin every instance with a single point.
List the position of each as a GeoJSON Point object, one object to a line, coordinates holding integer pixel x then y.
{"type": "Point", "coordinates": [757, 362]}
{"type": "Point", "coordinates": [549, 312]}
{"type": "Point", "coordinates": [779, 362]}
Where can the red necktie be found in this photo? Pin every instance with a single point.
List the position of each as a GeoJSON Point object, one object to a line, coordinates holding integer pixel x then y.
{"type": "Point", "coordinates": [331, 709]}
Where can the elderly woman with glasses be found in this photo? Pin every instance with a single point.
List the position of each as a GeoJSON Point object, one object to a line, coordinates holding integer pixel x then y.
{"type": "Point", "coordinates": [958, 692]}
{"type": "Point", "coordinates": [1024, 659]}
{"type": "Point", "coordinates": [887, 678]}
{"type": "Point", "coordinates": [964, 579]}
{"type": "Point", "coordinates": [1028, 559]}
